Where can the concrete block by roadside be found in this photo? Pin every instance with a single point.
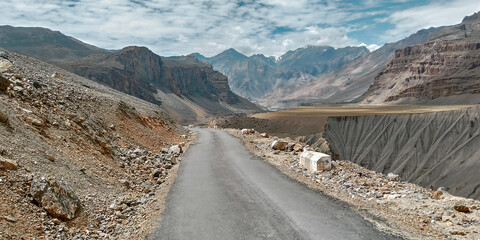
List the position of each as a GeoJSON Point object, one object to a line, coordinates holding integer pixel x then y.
{"type": "Point", "coordinates": [315, 161]}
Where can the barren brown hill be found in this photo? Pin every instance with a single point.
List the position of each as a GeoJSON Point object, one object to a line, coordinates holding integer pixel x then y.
{"type": "Point", "coordinates": [44, 43]}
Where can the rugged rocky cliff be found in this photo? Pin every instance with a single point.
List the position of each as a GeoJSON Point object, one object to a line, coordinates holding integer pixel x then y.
{"type": "Point", "coordinates": [448, 66]}
{"type": "Point", "coordinates": [142, 73]}
{"type": "Point", "coordinates": [433, 150]}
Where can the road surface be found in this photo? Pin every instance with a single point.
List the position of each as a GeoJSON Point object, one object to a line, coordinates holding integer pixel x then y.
{"type": "Point", "coordinates": [223, 192]}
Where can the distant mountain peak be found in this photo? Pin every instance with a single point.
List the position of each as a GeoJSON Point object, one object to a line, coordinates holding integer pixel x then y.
{"type": "Point", "coordinates": [199, 56]}
{"type": "Point", "coordinates": [232, 52]}
{"type": "Point", "coordinates": [473, 18]}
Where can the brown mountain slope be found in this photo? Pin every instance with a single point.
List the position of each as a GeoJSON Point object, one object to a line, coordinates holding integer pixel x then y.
{"type": "Point", "coordinates": [445, 69]}
{"type": "Point", "coordinates": [44, 43]}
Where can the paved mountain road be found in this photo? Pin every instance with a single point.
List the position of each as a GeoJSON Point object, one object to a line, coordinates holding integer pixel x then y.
{"type": "Point", "coordinates": [223, 192]}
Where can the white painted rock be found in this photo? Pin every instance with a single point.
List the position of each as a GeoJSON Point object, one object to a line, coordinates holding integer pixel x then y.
{"type": "Point", "coordinates": [315, 161]}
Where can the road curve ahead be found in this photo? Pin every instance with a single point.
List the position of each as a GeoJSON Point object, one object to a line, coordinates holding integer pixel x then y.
{"type": "Point", "coordinates": [223, 192]}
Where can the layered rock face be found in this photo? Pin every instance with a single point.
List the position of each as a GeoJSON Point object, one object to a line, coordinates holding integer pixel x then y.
{"type": "Point", "coordinates": [429, 71]}
{"type": "Point", "coordinates": [433, 150]}
{"type": "Point", "coordinates": [188, 76]}
{"type": "Point", "coordinates": [131, 70]}
{"type": "Point", "coordinates": [446, 67]}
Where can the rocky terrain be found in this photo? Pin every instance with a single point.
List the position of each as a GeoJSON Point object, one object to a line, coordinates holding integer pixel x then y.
{"type": "Point", "coordinates": [394, 206]}
{"type": "Point", "coordinates": [256, 76]}
{"type": "Point", "coordinates": [432, 149]}
{"type": "Point", "coordinates": [347, 83]}
{"type": "Point", "coordinates": [79, 160]}
{"type": "Point", "coordinates": [187, 89]}
{"type": "Point", "coordinates": [445, 69]}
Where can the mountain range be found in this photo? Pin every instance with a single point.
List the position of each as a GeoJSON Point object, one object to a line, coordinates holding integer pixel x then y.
{"type": "Point", "coordinates": [432, 66]}
{"type": "Point", "coordinates": [257, 76]}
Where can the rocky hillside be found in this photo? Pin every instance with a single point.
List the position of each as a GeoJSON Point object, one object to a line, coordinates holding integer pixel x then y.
{"type": "Point", "coordinates": [79, 160]}
{"type": "Point", "coordinates": [256, 76]}
{"type": "Point", "coordinates": [433, 149]}
{"type": "Point", "coordinates": [183, 86]}
{"type": "Point", "coordinates": [348, 82]}
{"type": "Point", "coordinates": [44, 43]}
{"type": "Point", "coordinates": [445, 69]}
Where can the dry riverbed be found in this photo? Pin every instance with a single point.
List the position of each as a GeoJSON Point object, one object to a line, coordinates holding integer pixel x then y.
{"type": "Point", "coordinates": [401, 208]}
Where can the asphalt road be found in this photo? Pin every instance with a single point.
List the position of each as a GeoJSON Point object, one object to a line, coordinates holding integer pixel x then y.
{"type": "Point", "coordinates": [223, 192]}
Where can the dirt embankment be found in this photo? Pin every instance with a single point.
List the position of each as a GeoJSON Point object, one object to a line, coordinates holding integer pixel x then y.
{"type": "Point", "coordinates": [111, 149]}
{"type": "Point", "coordinates": [307, 121]}
{"type": "Point", "coordinates": [433, 149]}
{"type": "Point", "coordinates": [398, 207]}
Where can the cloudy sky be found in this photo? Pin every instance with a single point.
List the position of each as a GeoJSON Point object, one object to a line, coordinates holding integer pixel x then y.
{"type": "Point", "coordinates": [271, 27]}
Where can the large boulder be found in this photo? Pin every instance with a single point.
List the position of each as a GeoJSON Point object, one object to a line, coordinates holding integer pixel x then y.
{"type": "Point", "coordinates": [55, 196]}
{"type": "Point", "coordinates": [298, 147]}
{"type": "Point", "coordinates": [279, 145]}
{"type": "Point", "coordinates": [246, 131]}
{"type": "Point", "coordinates": [265, 135]}
{"type": "Point", "coordinates": [4, 83]}
{"type": "Point", "coordinates": [7, 164]}
{"type": "Point", "coordinates": [315, 161]}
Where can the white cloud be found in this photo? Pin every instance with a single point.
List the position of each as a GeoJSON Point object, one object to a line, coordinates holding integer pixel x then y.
{"type": "Point", "coordinates": [271, 27]}
{"type": "Point", "coordinates": [371, 47]}
{"type": "Point", "coordinates": [435, 14]}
